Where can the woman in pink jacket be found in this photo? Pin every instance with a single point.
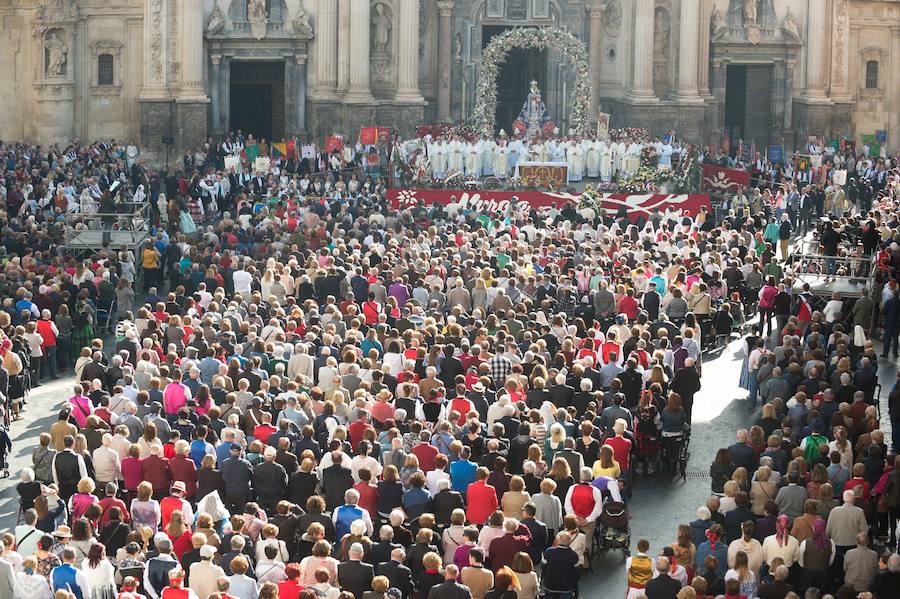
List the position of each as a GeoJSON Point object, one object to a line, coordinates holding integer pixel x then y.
{"type": "Point", "coordinates": [81, 407]}
{"type": "Point", "coordinates": [766, 304]}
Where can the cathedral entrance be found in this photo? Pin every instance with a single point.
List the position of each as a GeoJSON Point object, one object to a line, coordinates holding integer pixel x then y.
{"type": "Point", "coordinates": [257, 98]}
{"type": "Point", "coordinates": [748, 104]}
{"type": "Point", "coordinates": [521, 67]}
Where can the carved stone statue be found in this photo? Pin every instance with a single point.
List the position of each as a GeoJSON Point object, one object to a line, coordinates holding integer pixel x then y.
{"type": "Point", "coordinates": [789, 26]}
{"type": "Point", "coordinates": [216, 20]}
{"type": "Point", "coordinates": [302, 24]}
{"type": "Point", "coordinates": [457, 48]}
{"type": "Point", "coordinates": [716, 23]}
{"type": "Point", "coordinates": [381, 27]}
{"type": "Point", "coordinates": [57, 51]}
{"type": "Point", "coordinates": [258, 17]}
{"type": "Point", "coordinates": [750, 11]}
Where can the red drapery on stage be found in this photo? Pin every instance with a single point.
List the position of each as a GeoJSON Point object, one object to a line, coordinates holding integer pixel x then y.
{"type": "Point", "coordinates": [499, 202]}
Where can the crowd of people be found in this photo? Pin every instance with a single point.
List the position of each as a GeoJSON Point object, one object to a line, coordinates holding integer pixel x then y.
{"type": "Point", "coordinates": [316, 394]}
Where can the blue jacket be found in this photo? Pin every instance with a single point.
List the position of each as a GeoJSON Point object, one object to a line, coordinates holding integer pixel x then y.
{"type": "Point", "coordinates": [64, 577]}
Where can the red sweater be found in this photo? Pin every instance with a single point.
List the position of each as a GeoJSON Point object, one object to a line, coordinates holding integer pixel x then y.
{"type": "Point", "coordinates": [482, 502]}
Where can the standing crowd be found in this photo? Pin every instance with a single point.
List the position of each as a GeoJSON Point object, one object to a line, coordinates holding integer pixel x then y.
{"type": "Point", "coordinates": [319, 394]}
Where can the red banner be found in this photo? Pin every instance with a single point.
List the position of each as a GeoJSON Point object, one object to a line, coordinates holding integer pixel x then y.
{"type": "Point", "coordinates": [501, 202]}
{"type": "Point", "coordinates": [721, 179]}
{"type": "Point", "coordinates": [370, 136]}
{"type": "Point", "coordinates": [334, 142]}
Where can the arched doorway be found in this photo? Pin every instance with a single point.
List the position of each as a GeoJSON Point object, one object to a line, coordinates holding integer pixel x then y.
{"type": "Point", "coordinates": [495, 55]}
{"type": "Point", "coordinates": [522, 65]}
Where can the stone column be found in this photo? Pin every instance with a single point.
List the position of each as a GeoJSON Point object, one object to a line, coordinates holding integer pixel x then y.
{"type": "Point", "coordinates": [815, 50]}
{"type": "Point", "coordinates": [216, 92]}
{"type": "Point", "coordinates": [840, 52]}
{"type": "Point", "coordinates": [703, 48]}
{"type": "Point", "coordinates": [789, 65]}
{"type": "Point", "coordinates": [300, 105]}
{"type": "Point", "coordinates": [326, 48]}
{"type": "Point", "coordinates": [596, 51]}
{"type": "Point", "coordinates": [359, 92]}
{"type": "Point", "coordinates": [642, 87]}
{"type": "Point", "coordinates": [343, 52]}
{"type": "Point", "coordinates": [688, 52]}
{"type": "Point", "coordinates": [445, 10]}
{"type": "Point", "coordinates": [408, 59]}
{"type": "Point", "coordinates": [192, 88]}
{"type": "Point", "coordinates": [225, 93]}
{"type": "Point", "coordinates": [156, 45]}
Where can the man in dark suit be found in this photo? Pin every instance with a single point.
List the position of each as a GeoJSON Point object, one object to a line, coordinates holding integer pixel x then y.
{"type": "Point", "coordinates": [399, 575]}
{"type": "Point", "coordinates": [450, 589]}
{"type": "Point", "coordinates": [779, 587]}
{"type": "Point", "coordinates": [382, 550]}
{"type": "Point", "coordinates": [354, 575]}
{"type": "Point", "coordinates": [742, 454]}
{"type": "Point", "coordinates": [663, 586]}
{"type": "Point", "coordinates": [446, 501]}
{"type": "Point", "coordinates": [539, 534]}
{"type": "Point", "coordinates": [735, 518]}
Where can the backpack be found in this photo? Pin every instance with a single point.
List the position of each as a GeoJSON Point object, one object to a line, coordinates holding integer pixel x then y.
{"type": "Point", "coordinates": [813, 442]}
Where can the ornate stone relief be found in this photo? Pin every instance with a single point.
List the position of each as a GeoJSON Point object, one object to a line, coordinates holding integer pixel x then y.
{"type": "Point", "coordinates": [612, 18]}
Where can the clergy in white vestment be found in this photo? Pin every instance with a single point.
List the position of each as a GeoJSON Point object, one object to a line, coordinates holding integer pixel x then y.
{"type": "Point", "coordinates": [537, 152]}
{"type": "Point", "coordinates": [473, 161]}
{"type": "Point", "coordinates": [632, 161]}
{"type": "Point", "coordinates": [592, 157]}
{"type": "Point", "coordinates": [606, 162]}
{"type": "Point", "coordinates": [487, 149]}
{"type": "Point", "coordinates": [665, 156]}
{"type": "Point", "coordinates": [516, 152]}
{"type": "Point", "coordinates": [618, 156]}
{"type": "Point", "coordinates": [575, 160]}
{"type": "Point", "coordinates": [557, 151]}
{"type": "Point", "coordinates": [501, 160]}
{"type": "Point", "coordinates": [455, 156]}
{"type": "Point", "coordinates": [439, 159]}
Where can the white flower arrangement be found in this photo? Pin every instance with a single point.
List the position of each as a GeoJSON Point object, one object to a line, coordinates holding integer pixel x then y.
{"type": "Point", "coordinates": [494, 55]}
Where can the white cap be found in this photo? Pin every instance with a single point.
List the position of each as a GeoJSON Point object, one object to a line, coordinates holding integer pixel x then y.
{"type": "Point", "coordinates": [207, 551]}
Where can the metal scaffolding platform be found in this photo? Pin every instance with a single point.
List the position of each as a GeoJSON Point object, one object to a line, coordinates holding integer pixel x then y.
{"type": "Point", "coordinates": [90, 233]}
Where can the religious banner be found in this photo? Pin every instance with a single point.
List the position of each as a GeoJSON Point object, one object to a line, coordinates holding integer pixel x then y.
{"type": "Point", "coordinates": [776, 153]}
{"type": "Point", "coordinates": [747, 151]}
{"type": "Point", "coordinates": [721, 179]}
{"type": "Point", "coordinates": [543, 175]}
{"type": "Point", "coordinates": [839, 177]}
{"type": "Point", "coordinates": [370, 136]}
{"type": "Point", "coordinates": [521, 202]}
{"type": "Point", "coordinates": [233, 162]}
{"type": "Point", "coordinates": [262, 164]}
{"type": "Point", "coordinates": [603, 126]}
{"type": "Point", "coordinates": [334, 142]}
{"type": "Point", "coordinates": [308, 152]}
{"type": "Point", "coordinates": [881, 136]}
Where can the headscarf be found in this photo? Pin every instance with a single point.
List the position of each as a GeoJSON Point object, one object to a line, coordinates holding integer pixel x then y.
{"type": "Point", "coordinates": [819, 538]}
{"type": "Point", "coordinates": [781, 530]}
{"type": "Point", "coordinates": [712, 538]}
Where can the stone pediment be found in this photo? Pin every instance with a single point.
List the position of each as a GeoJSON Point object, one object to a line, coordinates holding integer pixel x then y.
{"type": "Point", "coordinates": [236, 20]}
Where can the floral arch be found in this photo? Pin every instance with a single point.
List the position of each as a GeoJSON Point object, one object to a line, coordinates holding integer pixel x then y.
{"type": "Point", "coordinates": [494, 55]}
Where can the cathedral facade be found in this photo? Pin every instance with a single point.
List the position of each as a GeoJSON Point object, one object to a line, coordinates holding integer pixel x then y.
{"type": "Point", "coordinates": [169, 73]}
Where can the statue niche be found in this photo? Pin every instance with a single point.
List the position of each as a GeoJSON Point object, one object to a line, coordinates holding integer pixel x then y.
{"type": "Point", "coordinates": [56, 52]}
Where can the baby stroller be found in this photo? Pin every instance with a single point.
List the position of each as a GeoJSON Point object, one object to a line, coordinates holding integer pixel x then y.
{"type": "Point", "coordinates": [614, 532]}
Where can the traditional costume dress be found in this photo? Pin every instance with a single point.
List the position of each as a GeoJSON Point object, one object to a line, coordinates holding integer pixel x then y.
{"type": "Point", "coordinates": [639, 570]}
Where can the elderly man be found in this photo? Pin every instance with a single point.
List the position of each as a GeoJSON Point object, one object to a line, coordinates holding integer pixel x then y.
{"type": "Point", "coordinates": [845, 523]}
{"type": "Point", "coordinates": [355, 576]}
{"type": "Point", "coordinates": [450, 589]}
{"type": "Point", "coordinates": [348, 513]}
{"type": "Point", "coordinates": [860, 564]}
{"type": "Point", "coordinates": [205, 574]}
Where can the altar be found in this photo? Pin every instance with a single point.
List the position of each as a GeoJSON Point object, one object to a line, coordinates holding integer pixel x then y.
{"type": "Point", "coordinates": [542, 174]}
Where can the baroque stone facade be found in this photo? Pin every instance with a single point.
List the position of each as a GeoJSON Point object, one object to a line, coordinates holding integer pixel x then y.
{"type": "Point", "coordinates": [154, 69]}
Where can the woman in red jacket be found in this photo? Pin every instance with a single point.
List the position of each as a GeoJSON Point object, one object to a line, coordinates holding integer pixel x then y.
{"type": "Point", "coordinates": [481, 498]}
